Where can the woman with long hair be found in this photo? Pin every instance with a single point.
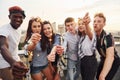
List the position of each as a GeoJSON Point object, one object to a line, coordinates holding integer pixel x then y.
{"type": "Point", "coordinates": [39, 63]}
{"type": "Point", "coordinates": [86, 52]}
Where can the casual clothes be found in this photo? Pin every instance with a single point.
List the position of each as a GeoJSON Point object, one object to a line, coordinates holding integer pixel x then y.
{"type": "Point", "coordinates": [88, 67]}
{"type": "Point", "coordinates": [103, 42]}
{"type": "Point", "coordinates": [71, 46]}
{"type": "Point", "coordinates": [39, 56]}
{"type": "Point", "coordinates": [49, 48]}
{"type": "Point", "coordinates": [86, 46]}
{"type": "Point", "coordinates": [88, 61]}
{"type": "Point", "coordinates": [39, 60]}
{"type": "Point", "coordinates": [13, 38]}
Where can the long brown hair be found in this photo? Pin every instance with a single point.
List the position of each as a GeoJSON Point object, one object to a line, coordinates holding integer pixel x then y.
{"type": "Point", "coordinates": [45, 40]}
{"type": "Point", "coordinates": [29, 29]}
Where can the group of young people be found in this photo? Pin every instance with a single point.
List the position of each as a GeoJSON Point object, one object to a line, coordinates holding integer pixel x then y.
{"type": "Point", "coordinates": [79, 44]}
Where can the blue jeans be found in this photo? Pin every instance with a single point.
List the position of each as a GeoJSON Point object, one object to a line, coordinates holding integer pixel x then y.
{"type": "Point", "coordinates": [72, 73]}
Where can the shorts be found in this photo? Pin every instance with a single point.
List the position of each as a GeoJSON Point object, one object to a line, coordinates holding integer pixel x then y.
{"type": "Point", "coordinates": [34, 70]}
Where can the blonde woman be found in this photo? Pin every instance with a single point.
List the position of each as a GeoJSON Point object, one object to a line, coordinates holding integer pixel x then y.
{"type": "Point", "coordinates": [86, 52]}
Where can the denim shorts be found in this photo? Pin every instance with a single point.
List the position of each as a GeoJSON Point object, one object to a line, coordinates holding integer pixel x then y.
{"type": "Point", "coordinates": [34, 70]}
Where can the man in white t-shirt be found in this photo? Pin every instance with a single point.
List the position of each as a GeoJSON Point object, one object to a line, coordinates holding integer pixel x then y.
{"type": "Point", "coordinates": [10, 64]}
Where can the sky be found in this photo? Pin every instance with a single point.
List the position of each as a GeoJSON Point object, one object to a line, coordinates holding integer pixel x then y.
{"type": "Point", "coordinates": [58, 10]}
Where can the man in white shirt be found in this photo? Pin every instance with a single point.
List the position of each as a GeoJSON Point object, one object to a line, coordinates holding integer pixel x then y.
{"type": "Point", "coordinates": [10, 64]}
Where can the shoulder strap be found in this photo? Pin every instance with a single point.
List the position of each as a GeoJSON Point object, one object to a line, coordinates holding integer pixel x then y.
{"type": "Point", "coordinates": [82, 39]}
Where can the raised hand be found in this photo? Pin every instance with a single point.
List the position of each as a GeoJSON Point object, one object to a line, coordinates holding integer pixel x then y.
{"type": "Point", "coordinates": [86, 19]}
{"type": "Point", "coordinates": [59, 49]}
{"type": "Point", "coordinates": [51, 56]}
{"type": "Point", "coordinates": [35, 38]}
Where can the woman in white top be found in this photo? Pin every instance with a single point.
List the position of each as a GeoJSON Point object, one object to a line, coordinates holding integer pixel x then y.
{"type": "Point", "coordinates": [86, 52]}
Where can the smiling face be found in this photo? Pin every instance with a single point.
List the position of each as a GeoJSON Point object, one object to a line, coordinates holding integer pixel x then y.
{"type": "Point", "coordinates": [36, 27]}
{"type": "Point", "coordinates": [47, 30]}
{"type": "Point", "coordinates": [81, 26]}
{"type": "Point", "coordinates": [16, 20]}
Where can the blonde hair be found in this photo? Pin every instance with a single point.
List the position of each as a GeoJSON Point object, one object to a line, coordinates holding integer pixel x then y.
{"type": "Point", "coordinates": [79, 20]}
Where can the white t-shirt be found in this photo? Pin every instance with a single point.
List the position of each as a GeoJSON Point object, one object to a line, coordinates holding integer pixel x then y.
{"type": "Point", "coordinates": [13, 39]}
{"type": "Point", "coordinates": [87, 46]}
